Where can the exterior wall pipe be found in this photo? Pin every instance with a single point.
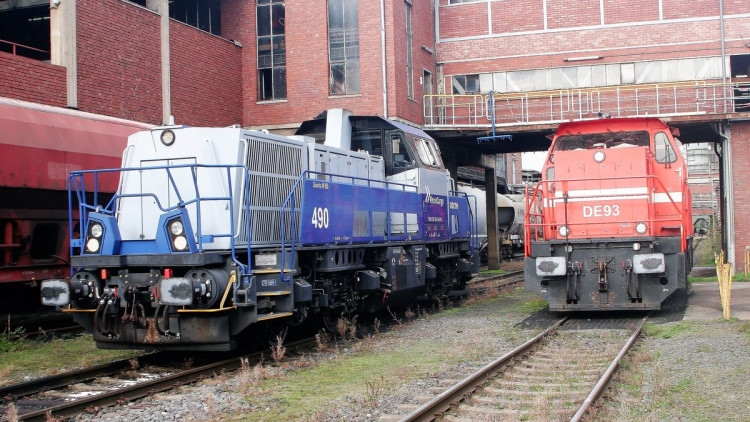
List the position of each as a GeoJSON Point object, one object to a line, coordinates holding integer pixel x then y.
{"type": "Point", "coordinates": [382, 58]}
{"type": "Point", "coordinates": [723, 54]}
{"type": "Point", "coordinates": [727, 191]}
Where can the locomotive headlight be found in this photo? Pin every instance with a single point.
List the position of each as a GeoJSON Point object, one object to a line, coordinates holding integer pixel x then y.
{"type": "Point", "coordinates": [97, 230]}
{"type": "Point", "coordinates": [599, 156]}
{"type": "Point", "coordinates": [176, 227]}
{"type": "Point", "coordinates": [92, 245]}
{"type": "Point", "coordinates": [641, 228]}
{"type": "Point", "coordinates": [564, 231]}
{"type": "Point", "coordinates": [180, 243]}
{"type": "Point", "coordinates": [167, 137]}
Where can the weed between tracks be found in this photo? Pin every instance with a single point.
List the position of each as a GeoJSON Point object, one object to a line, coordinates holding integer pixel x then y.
{"type": "Point", "coordinates": [689, 370]}
{"type": "Point", "coordinates": [39, 359]}
{"type": "Point", "coordinates": [359, 375]}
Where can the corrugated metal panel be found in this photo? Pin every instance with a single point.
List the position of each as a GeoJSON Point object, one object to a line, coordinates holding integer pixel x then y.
{"type": "Point", "coordinates": [273, 168]}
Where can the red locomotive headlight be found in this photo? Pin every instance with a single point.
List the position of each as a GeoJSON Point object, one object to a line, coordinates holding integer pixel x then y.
{"type": "Point", "coordinates": [599, 156]}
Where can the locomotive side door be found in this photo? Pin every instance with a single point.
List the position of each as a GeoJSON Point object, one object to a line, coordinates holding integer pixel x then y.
{"type": "Point", "coordinates": [667, 189]}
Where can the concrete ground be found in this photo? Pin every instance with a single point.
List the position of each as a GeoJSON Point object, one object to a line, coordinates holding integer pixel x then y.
{"type": "Point", "coordinates": [704, 302]}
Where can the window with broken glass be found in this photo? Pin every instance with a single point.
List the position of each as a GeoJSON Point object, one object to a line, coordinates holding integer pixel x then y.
{"type": "Point", "coordinates": [271, 24]}
{"type": "Point", "coordinates": [343, 46]}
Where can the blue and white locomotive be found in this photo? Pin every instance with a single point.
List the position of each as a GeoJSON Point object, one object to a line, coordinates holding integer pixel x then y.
{"type": "Point", "coordinates": [216, 230]}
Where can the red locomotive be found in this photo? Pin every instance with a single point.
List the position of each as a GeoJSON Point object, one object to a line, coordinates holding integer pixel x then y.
{"type": "Point", "coordinates": [40, 146]}
{"type": "Point", "coordinates": [610, 224]}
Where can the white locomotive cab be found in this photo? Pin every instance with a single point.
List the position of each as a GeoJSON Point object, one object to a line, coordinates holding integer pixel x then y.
{"type": "Point", "coordinates": [159, 188]}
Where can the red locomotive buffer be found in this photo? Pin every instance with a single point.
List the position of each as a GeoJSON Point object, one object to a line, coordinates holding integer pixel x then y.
{"type": "Point", "coordinates": [610, 224]}
{"type": "Point", "coordinates": [40, 145]}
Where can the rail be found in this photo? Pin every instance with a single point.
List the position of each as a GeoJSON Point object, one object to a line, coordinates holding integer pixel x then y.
{"type": "Point", "coordinates": [537, 198]}
{"type": "Point", "coordinates": [509, 109]}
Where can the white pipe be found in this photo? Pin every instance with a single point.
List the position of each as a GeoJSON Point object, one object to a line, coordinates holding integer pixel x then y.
{"type": "Point", "coordinates": [726, 156]}
{"type": "Point", "coordinates": [382, 58]}
{"type": "Point", "coordinates": [723, 54]}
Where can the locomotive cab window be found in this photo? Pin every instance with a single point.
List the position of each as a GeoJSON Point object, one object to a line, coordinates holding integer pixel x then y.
{"type": "Point", "coordinates": [620, 139]}
{"type": "Point", "coordinates": [427, 153]}
{"type": "Point", "coordinates": [400, 158]}
{"type": "Point", "coordinates": [369, 141]}
{"type": "Point", "coordinates": [663, 150]}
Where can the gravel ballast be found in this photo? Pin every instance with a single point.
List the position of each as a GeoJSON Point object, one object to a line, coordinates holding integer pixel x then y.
{"type": "Point", "coordinates": [680, 370]}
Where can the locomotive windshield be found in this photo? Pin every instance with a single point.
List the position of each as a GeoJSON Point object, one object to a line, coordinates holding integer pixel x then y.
{"type": "Point", "coordinates": [602, 140]}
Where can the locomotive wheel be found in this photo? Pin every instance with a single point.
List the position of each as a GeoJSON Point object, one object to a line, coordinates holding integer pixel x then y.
{"type": "Point", "coordinates": [329, 321]}
{"type": "Point", "coordinates": [272, 330]}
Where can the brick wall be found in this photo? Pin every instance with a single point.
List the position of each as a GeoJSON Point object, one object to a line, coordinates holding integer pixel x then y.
{"type": "Point", "coordinates": [32, 80]}
{"type": "Point", "coordinates": [631, 32]}
{"type": "Point", "coordinates": [307, 68]}
{"type": "Point", "coordinates": [740, 144]}
{"type": "Point", "coordinates": [622, 11]}
{"type": "Point", "coordinates": [119, 65]}
{"type": "Point", "coordinates": [423, 30]}
{"type": "Point", "coordinates": [564, 14]}
{"type": "Point", "coordinates": [206, 78]}
{"type": "Point", "coordinates": [463, 20]}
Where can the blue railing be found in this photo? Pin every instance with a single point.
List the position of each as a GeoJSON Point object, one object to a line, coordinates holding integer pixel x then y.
{"type": "Point", "coordinates": [77, 185]}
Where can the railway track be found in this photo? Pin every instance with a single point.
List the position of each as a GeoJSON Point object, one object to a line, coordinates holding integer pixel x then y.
{"type": "Point", "coordinates": [495, 281]}
{"type": "Point", "coordinates": [117, 382]}
{"type": "Point", "coordinates": [556, 375]}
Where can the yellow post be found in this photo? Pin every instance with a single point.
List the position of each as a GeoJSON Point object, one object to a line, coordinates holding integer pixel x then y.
{"type": "Point", "coordinates": [747, 261]}
{"type": "Point", "coordinates": [724, 271]}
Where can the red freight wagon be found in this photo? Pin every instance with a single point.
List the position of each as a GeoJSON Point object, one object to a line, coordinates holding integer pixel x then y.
{"type": "Point", "coordinates": [610, 224]}
{"type": "Point", "coordinates": [39, 147]}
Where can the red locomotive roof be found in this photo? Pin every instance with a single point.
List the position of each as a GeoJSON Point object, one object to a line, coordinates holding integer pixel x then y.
{"type": "Point", "coordinates": [41, 144]}
{"type": "Point", "coordinates": [610, 125]}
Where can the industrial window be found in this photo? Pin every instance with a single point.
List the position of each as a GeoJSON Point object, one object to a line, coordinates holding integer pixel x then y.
{"type": "Point", "coordinates": [343, 46]}
{"type": "Point", "coordinates": [202, 14]}
{"type": "Point", "coordinates": [24, 30]}
{"type": "Point", "coordinates": [465, 84]}
{"type": "Point", "coordinates": [271, 50]}
{"type": "Point", "coordinates": [409, 53]}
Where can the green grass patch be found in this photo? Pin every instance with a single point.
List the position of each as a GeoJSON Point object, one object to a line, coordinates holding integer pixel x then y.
{"type": "Point", "coordinates": [36, 359]}
{"type": "Point", "coordinates": [492, 272]}
{"type": "Point", "coordinates": [736, 278]}
{"type": "Point", "coordinates": [303, 394]}
{"type": "Point", "coordinates": [669, 330]}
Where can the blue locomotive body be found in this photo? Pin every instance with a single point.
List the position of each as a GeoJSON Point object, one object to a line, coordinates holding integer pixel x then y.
{"type": "Point", "coordinates": [214, 231]}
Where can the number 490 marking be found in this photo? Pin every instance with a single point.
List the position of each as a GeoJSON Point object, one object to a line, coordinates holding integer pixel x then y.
{"type": "Point", "coordinates": [320, 218]}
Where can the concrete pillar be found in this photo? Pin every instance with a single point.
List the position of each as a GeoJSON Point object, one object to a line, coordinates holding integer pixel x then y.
{"type": "Point", "coordinates": [162, 7]}
{"type": "Point", "coordinates": [63, 45]}
{"type": "Point", "coordinates": [493, 242]}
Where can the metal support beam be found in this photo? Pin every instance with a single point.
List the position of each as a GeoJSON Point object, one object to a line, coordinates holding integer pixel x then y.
{"type": "Point", "coordinates": [493, 242]}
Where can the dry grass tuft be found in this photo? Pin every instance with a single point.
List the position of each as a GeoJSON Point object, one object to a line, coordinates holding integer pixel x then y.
{"type": "Point", "coordinates": [11, 414]}
{"type": "Point", "coordinates": [278, 350]}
